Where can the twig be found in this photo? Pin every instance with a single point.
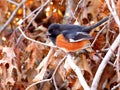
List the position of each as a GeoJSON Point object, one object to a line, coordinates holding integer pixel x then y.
{"type": "Point", "coordinates": [34, 40]}
{"type": "Point", "coordinates": [56, 88]}
{"type": "Point", "coordinates": [104, 63]}
{"type": "Point", "coordinates": [45, 60]}
{"type": "Point", "coordinates": [12, 16]}
{"type": "Point", "coordinates": [118, 64]}
{"type": "Point", "coordinates": [21, 21]}
{"type": "Point", "coordinates": [46, 80]}
{"type": "Point", "coordinates": [110, 51]}
{"type": "Point", "coordinates": [13, 2]}
{"type": "Point", "coordinates": [78, 72]}
{"type": "Point", "coordinates": [61, 2]}
{"type": "Point", "coordinates": [97, 36]}
{"type": "Point", "coordinates": [37, 13]}
{"type": "Point", "coordinates": [43, 64]}
{"type": "Point", "coordinates": [53, 76]}
{"type": "Point", "coordinates": [77, 7]}
{"type": "Point", "coordinates": [115, 87]}
{"type": "Point", "coordinates": [100, 32]}
{"type": "Point", "coordinates": [113, 11]}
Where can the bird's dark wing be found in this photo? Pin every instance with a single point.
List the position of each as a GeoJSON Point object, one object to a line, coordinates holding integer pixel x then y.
{"type": "Point", "coordinates": [76, 36]}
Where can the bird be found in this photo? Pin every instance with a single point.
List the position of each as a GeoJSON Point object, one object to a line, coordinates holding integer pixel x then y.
{"type": "Point", "coordinates": [71, 38]}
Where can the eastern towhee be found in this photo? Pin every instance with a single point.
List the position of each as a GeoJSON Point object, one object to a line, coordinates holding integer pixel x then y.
{"type": "Point", "coordinates": [71, 37]}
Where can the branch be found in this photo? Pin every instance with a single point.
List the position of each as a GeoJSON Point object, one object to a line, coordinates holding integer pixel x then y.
{"type": "Point", "coordinates": [46, 80]}
{"type": "Point", "coordinates": [113, 11]}
{"type": "Point", "coordinates": [13, 2]}
{"type": "Point", "coordinates": [97, 36]}
{"type": "Point", "coordinates": [115, 87]}
{"type": "Point", "coordinates": [33, 12]}
{"type": "Point", "coordinates": [12, 16]}
{"type": "Point", "coordinates": [112, 48]}
{"type": "Point", "coordinates": [37, 13]}
{"type": "Point", "coordinates": [78, 72]}
{"type": "Point", "coordinates": [104, 63]}
{"type": "Point", "coordinates": [52, 78]}
{"type": "Point", "coordinates": [35, 40]}
{"type": "Point", "coordinates": [77, 7]}
{"type": "Point", "coordinates": [45, 60]}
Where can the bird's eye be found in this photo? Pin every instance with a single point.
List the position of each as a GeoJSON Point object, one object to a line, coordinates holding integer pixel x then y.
{"type": "Point", "coordinates": [51, 30]}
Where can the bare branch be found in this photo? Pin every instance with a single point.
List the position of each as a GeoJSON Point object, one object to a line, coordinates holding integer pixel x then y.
{"type": "Point", "coordinates": [113, 11]}
{"type": "Point", "coordinates": [12, 16]}
{"type": "Point", "coordinates": [13, 2]}
{"type": "Point", "coordinates": [115, 44]}
{"type": "Point", "coordinates": [104, 63]}
{"type": "Point", "coordinates": [97, 36]}
{"type": "Point", "coordinates": [34, 40]}
{"type": "Point", "coordinates": [78, 72]}
{"type": "Point", "coordinates": [37, 13]}
{"type": "Point", "coordinates": [115, 87]}
{"type": "Point", "coordinates": [53, 75]}
{"type": "Point", "coordinates": [46, 80]}
{"type": "Point", "coordinates": [77, 7]}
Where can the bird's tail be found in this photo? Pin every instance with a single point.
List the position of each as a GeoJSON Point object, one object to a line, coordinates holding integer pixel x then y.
{"type": "Point", "coordinates": [89, 28]}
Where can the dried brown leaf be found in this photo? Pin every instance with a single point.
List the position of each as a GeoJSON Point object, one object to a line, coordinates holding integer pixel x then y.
{"type": "Point", "coordinates": [36, 53]}
{"type": "Point", "coordinates": [85, 67]}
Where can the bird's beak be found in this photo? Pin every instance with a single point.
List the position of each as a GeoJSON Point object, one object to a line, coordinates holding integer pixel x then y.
{"type": "Point", "coordinates": [48, 34]}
